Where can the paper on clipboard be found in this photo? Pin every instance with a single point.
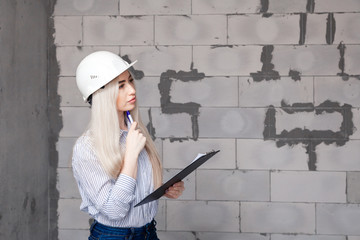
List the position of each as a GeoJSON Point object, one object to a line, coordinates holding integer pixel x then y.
{"type": "Point", "coordinates": [198, 156]}
{"type": "Point", "coordinates": [158, 193]}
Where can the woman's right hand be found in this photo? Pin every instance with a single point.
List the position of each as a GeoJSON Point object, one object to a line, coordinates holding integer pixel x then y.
{"type": "Point", "coordinates": [135, 141]}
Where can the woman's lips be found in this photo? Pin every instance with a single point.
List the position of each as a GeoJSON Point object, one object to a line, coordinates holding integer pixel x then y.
{"type": "Point", "coordinates": [132, 100]}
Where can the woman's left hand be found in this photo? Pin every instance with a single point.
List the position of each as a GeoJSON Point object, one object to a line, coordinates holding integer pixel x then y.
{"type": "Point", "coordinates": [175, 190]}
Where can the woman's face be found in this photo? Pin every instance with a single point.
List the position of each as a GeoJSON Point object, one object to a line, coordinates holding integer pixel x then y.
{"type": "Point", "coordinates": [126, 97]}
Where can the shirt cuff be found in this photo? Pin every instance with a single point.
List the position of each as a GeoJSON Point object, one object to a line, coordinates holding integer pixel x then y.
{"type": "Point", "coordinates": [126, 183]}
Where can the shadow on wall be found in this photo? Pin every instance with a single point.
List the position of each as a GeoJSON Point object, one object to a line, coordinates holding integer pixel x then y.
{"type": "Point", "coordinates": [308, 138]}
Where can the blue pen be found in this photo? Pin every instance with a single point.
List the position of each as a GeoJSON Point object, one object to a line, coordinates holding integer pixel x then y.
{"type": "Point", "coordinates": [129, 117]}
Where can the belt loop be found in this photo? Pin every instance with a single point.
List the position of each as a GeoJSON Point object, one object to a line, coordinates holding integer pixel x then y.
{"type": "Point", "coordinates": [147, 231]}
{"type": "Point", "coordinates": [131, 234]}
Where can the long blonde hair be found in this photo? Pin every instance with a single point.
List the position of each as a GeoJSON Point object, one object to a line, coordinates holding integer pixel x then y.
{"type": "Point", "coordinates": [105, 131]}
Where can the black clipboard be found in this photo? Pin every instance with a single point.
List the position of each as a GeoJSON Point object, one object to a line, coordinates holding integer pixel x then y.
{"type": "Point", "coordinates": [158, 193]}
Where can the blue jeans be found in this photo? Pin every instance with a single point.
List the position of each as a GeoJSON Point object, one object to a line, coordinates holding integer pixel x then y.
{"type": "Point", "coordinates": [99, 231]}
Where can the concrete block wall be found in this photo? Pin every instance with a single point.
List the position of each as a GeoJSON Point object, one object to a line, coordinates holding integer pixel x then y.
{"type": "Point", "coordinates": [274, 85]}
{"type": "Point", "coordinates": [24, 129]}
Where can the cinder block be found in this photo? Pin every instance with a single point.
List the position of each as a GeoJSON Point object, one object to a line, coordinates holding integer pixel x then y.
{"type": "Point", "coordinates": [160, 217]}
{"type": "Point", "coordinates": [307, 120]}
{"type": "Point", "coordinates": [147, 92]}
{"type": "Point", "coordinates": [171, 125]}
{"type": "Point", "coordinates": [305, 237]}
{"type": "Point", "coordinates": [231, 122]}
{"type": "Point", "coordinates": [353, 190]}
{"type": "Point", "coordinates": [146, 7]}
{"type": "Point", "coordinates": [159, 147]}
{"type": "Point", "coordinates": [224, 7]}
{"type": "Point", "coordinates": [190, 30]}
{"type": "Point", "coordinates": [273, 92]}
{"type": "Point", "coordinates": [70, 216]}
{"type": "Point", "coordinates": [316, 28]}
{"type": "Point", "coordinates": [287, 6]}
{"type": "Point", "coordinates": [153, 61]}
{"type": "Point", "coordinates": [64, 148]}
{"type": "Point", "coordinates": [106, 30]}
{"type": "Point", "coordinates": [337, 90]}
{"type": "Point", "coordinates": [189, 182]}
{"type": "Point", "coordinates": [308, 187]}
{"type": "Point", "coordinates": [352, 60]}
{"type": "Point", "coordinates": [353, 238]}
{"type": "Point", "coordinates": [334, 6]}
{"type": "Point", "coordinates": [69, 58]}
{"type": "Point", "coordinates": [144, 115]}
{"type": "Point", "coordinates": [70, 234]}
{"type": "Point", "coordinates": [347, 28]}
{"type": "Point", "coordinates": [340, 219]}
{"type": "Point", "coordinates": [356, 121]}
{"type": "Point", "coordinates": [202, 216]}
{"type": "Point", "coordinates": [208, 92]}
{"type": "Point", "coordinates": [176, 235]}
{"type": "Point", "coordinates": [227, 60]}
{"type": "Point", "coordinates": [277, 217]}
{"type": "Point", "coordinates": [69, 93]}
{"type": "Point", "coordinates": [308, 60]}
{"type": "Point", "coordinates": [270, 157]}
{"type": "Point", "coordinates": [338, 158]}
{"type": "Point", "coordinates": [75, 121]}
{"type": "Point", "coordinates": [175, 155]}
{"type": "Point", "coordinates": [232, 236]}
{"type": "Point", "coordinates": [91, 7]}
{"type": "Point", "coordinates": [68, 30]}
{"type": "Point", "coordinates": [66, 184]}
{"type": "Point", "coordinates": [233, 185]}
{"type": "Point", "coordinates": [277, 29]}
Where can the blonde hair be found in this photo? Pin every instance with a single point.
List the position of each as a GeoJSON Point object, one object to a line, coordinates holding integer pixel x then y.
{"type": "Point", "coordinates": [105, 131]}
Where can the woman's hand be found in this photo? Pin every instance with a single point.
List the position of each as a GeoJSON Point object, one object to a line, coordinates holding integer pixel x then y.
{"type": "Point", "coordinates": [135, 141]}
{"type": "Point", "coordinates": [175, 190]}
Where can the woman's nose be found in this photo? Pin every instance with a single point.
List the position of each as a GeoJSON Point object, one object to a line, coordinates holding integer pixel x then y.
{"type": "Point", "coordinates": [132, 89]}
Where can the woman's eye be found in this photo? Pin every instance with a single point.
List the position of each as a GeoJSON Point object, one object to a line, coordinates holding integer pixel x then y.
{"type": "Point", "coordinates": [121, 86]}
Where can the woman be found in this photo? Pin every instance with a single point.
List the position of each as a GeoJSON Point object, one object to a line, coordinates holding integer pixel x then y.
{"type": "Point", "coordinates": [115, 163]}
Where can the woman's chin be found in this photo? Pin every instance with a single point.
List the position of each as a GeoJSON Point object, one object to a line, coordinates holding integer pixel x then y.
{"type": "Point", "coordinates": [127, 108]}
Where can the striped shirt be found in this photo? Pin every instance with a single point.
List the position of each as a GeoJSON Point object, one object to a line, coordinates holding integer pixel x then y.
{"type": "Point", "coordinates": [111, 201]}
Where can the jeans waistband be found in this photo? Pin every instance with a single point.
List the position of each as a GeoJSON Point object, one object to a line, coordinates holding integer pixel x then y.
{"type": "Point", "coordinates": [122, 231]}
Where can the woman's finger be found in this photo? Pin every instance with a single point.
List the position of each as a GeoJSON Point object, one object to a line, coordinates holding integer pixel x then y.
{"type": "Point", "coordinates": [179, 184]}
{"type": "Point", "coordinates": [175, 190]}
{"type": "Point", "coordinates": [172, 194]}
{"type": "Point", "coordinates": [133, 126]}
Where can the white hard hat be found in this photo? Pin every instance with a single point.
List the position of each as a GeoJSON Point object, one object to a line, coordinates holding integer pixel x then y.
{"type": "Point", "coordinates": [98, 69]}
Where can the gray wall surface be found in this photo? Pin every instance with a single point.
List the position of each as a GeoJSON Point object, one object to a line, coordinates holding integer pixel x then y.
{"type": "Point", "coordinates": [274, 85]}
{"type": "Point", "coordinates": [24, 144]}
